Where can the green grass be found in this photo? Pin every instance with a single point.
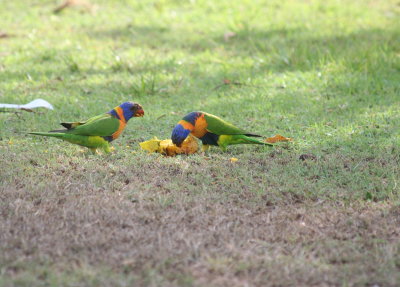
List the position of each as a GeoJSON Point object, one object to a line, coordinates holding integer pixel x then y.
{"type": "Point", "coordinates": [325, 73]}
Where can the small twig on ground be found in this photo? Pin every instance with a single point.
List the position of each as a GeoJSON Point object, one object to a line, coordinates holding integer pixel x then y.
{"type": "Point", "coordinates": [163, 115]}
{"type": "Point", "coordinates": [69, 3]}
{"type": "Point", "coordinates": [27, 110]}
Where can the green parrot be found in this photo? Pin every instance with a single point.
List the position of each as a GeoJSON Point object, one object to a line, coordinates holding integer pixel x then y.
{"type": "Point", "coordinates": [211, 130]}
{"type": "Point", "coordinates": [99, 131]}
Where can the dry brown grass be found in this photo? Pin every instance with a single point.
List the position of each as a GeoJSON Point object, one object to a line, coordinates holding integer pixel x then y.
{"type": "Point", "coordinates": [169, 238]}
{"type": "Point", "coordinates": [133, 218]}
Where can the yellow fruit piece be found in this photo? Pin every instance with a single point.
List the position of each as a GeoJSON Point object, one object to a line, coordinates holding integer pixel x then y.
{"type": "Point", "coordinates": [151, 145]}
{"type": "Point", "coordinates": [166, 147]}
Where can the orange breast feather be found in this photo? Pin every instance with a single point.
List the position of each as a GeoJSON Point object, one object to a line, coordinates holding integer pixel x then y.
{"type": "Point", "coordinates": [120, 129]}
{"type": "Point", "coordinates": [200, 127]}
{"type": "Point", "coordinates": [122, 123]}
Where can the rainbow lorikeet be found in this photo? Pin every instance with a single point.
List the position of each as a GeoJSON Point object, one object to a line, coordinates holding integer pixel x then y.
{"type": "Point", "coordinates": [99, 131]}
{"type": "Point", "coordinates": [211, 130]}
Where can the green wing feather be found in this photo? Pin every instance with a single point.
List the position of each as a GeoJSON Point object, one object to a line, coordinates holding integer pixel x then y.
{"type": "Point", "coordinates": [220, 127]}
{"type": "Point", "coordinates": [102, 125]}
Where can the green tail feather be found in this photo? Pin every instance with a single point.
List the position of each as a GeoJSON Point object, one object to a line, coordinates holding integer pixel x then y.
{"type": "Point", "coordinates": [48, 134]}
{"type": "Point", "coordinates": [92, 142]}
{"type": "Point", "coordinates": [225, 140]}
{"type": "Point", "coordinates": [249, 140]}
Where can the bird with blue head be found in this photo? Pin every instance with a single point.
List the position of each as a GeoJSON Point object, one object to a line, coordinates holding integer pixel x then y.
{"type": "Point", "coordinates": [184, 128]}
{"type": "Point", "coordinates": [99, 131]}
{"type": "Point", "coordinates": [211, 130]}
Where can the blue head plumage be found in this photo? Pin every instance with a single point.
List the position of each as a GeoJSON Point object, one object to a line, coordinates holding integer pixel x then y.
{"type": "Point", "coordinates": [184, 128]}
{"type": "Point", "coordinates": [127, 110]}
{"type": "Point", "coordinates": [179, 134]}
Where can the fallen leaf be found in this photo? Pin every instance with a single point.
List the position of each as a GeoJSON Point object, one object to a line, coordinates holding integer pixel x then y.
{"type": "Point", "coordinates": [278, 138]}
{"type": "Point", "coordinates": [4, 35]}
{"type": "Point", "coordinates": [229, 35]}
{"type": "Point", "coordinates": [234, 159]}
{"type": "Point", "coordinates": [166, 147]}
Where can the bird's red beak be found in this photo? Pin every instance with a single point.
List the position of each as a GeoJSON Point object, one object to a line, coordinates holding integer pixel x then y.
{"type": "Point", "coordinates": [139, 113]}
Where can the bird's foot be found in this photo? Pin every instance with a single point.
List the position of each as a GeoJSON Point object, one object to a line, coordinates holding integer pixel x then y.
{"type": "Point", "coordinates": [94, 151]}
{"type": "Point", "coordinates": [108, 149]}
{"type": "Point", "coordinates": [204, 149]}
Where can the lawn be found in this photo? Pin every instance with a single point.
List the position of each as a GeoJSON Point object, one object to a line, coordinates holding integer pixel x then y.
{"type": "Point", "coordinates": [323, 210]}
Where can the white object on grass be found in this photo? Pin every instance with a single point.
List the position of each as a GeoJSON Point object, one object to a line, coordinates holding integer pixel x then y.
{"type": "Point", "coordinates": [38, 103]}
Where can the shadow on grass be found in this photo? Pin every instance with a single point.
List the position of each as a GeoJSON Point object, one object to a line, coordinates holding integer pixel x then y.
{"type": "Point", "coordinates": [281, 49]}
{"type": "Point", "coordinates": [364, 53]}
